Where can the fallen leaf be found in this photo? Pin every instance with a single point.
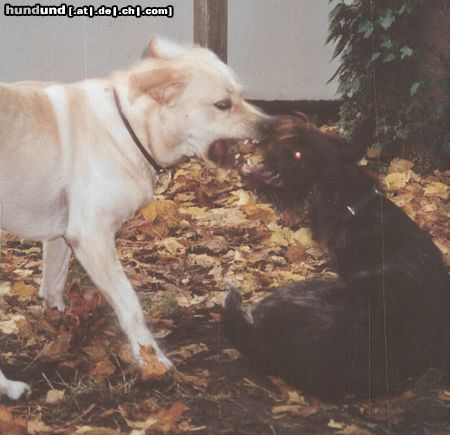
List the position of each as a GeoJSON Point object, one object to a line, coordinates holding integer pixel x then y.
{"type": "Point", "coordinates": [89, 430]}
{"type": "Point", "coordinates": [160, 217]}
{"type": "Point", "coordinates": [11, 326]}
{"type": "Point", "coordinates": [192, 349]}
{"type": "Point", "coordinates": [260, 212]}
{"type": "Point", "coordinates": [287, 409]}
{"type": "Point", "coordinates": [54, 396]}
{"type": "Point", "coordinates": [103, 369]}
{"type": "Point", "coordinates": [24, 292]}
{"type": "Point", "coordinates": [400, 165]}
{"type": "Point", "coordinates": [10, 425]}
{"type": "Point", "coordinates": [38, 427]}
{"type": "Point", "coordinates": [354, 429]}
{"type": "Point", "coordinates": [335, 424]}
{"type": "Point", "coordinates": [153, 368]}
{"type": "Point", "coordinates": [296, 252]}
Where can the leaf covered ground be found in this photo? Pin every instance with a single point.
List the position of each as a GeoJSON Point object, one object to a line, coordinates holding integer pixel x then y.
{"type": "Point", "coordinates": [203, 227]}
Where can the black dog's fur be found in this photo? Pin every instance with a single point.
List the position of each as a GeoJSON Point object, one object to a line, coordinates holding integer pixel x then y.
{"type": "Point", "coordinates": [385, 319]}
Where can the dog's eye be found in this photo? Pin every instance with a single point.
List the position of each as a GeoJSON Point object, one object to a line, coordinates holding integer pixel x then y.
{"type": "Point", "coordinates": [297, 155]}
{"type": "Point", "coordinates": [223, 104]}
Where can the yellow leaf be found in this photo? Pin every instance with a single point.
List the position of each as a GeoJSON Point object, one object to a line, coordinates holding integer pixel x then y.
{"type": "Point", "coordinates": [437, 188]}
{"type": "Point", "coordinates": [173, 246]}
{"type": "Point", "coordinates": [287, 409]}
{"type": "Point", "coordinates": [304, 236]}
{"type": "Point", "coordinates": [54, 396]}
{"type": "Point", "coordinates": [294, 398]}
{"type": "Point", "coordinates": [400, 165]}
{"type": "Point", "coordinates": [11, 325]}
{"type": "Point", "coordinates": [335, 424]}
{"type": "Point", "coordinates": [261, 212]}
{"type": "Point", "coordinates": [23, 291]}
{"type": "Point", "coordinates": [160, 216]}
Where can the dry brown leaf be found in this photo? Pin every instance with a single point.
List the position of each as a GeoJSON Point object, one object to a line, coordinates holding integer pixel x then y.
{"type": "Point", "coordinates": [192, 349]}
{"type": "Point", "coordinates": [260, 212]}
{"type": "Point", "coordinates": [38, 427]}
{"type": "Point", "coordinates": [444, 395]}
{"type": "Point", "coordinates": [103, 369]}
{"type": "Point", "coordinates": [164, 421]}
{"type": "Point", "coordinates": [287, 409]}
{"type": "Point", "coordinates": [57, 349]}
{"type": "Point", "coordinates": [296, 252]}
{"type": "Point", "coordinates": [160, 217]}
{"type": "Point", "coordinates": [89, 430]}
{"type": "Point", "coordinates": [153, 368]}
{"type": "Point", "coordinates": [353, 429]}
{"type": "Point", "coordinates": [10, 425]}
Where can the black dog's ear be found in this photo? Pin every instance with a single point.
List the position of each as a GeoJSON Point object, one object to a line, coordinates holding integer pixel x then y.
{"type": "Point", "coordinates": [361, 138]}
{"type": "Point", "coordinates": [349, 150]}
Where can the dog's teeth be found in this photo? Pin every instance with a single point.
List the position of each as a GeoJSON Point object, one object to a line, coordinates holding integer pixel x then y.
{"type": "Point", "coordinates": [246, 142]}
{"type": "Point", "coordinates": [248, 162]}
{"type": "Point", "coordinates": [236, 156]}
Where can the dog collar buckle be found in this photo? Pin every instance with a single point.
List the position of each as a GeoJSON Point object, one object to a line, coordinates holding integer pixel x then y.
{"type": "Point", "coordinates": [355, 209]}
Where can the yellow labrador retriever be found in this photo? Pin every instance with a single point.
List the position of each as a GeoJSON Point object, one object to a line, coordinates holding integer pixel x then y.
{"type": "Point", "coordinates": [78, 160]}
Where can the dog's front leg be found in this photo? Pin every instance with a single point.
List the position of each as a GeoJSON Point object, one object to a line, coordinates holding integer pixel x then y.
{"type": "Point", "coordinates": [98, 257]}
{"type": "Point", "coordinates": [55, 267]}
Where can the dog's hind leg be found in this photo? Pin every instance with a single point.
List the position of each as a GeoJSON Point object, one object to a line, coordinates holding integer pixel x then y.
{"type": "Point", "coordinates": [99, 259]}
{"type": "Point", "coordinates": [12, 389]}
{"type": "Point", "coordinates": [55, 269]}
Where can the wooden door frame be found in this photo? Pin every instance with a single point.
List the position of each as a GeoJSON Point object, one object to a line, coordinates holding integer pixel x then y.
{"type": "Point", "coordinates": [211, 26]}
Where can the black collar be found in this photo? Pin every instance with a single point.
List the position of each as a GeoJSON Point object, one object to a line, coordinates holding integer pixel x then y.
{"type": "Point", "coordinates": [353, 210]}
{"type": "Point", "coordinates": [145, 153]}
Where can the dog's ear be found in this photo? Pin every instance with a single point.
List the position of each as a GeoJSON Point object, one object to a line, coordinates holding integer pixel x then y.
{"type": "Point", "coordinates": [348, 150]}
{"type": "Point", "coordinates": [164, 85]}
{"type": "Point", "coordinates": [163, 49]}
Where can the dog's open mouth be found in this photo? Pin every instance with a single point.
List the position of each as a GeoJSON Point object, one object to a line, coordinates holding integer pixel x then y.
{"type": "Point", "coordinates": [222, 152]}
{"type": "Point", "coordinates": [259, 175]}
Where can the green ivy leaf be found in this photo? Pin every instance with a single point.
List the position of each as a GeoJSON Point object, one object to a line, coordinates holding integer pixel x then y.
{"type": "Point", "coordinates": [387, 19]}
{"type": "Point", "coordinates": [374, 57]}
{"type": "Point", "coordinates": [400, 134]}
{"type": "Point", "coordinates": [406, 52]}
{"type": "Point", "coordinates": [386, 42]}
{"type": "Point", "coordinates": [366, 28]}
{"type": "Point", "coordinates": [389, 58]}
{"type": "Point", "coordinates": [414, 88]}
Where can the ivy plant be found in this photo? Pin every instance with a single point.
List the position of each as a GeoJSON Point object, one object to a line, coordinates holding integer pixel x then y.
{"type": "Point", "coordinates": [380, 46]}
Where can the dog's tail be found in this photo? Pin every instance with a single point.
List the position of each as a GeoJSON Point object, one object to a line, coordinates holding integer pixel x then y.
{"type": "Point", "coordinates": [237, 327]}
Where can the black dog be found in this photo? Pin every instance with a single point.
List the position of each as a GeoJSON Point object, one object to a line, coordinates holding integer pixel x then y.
{"type": "Point", "coordinates": [385, 319]}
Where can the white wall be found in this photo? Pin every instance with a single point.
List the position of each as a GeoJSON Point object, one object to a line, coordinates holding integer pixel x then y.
{"type": "Point", "coordinates": [70, 49]}
{"type": "Point", "coordinates": [278, 48]}
{"type": "Point", "coordinates": [275, 46]}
